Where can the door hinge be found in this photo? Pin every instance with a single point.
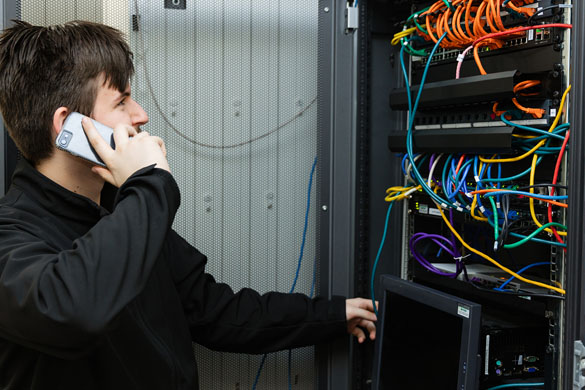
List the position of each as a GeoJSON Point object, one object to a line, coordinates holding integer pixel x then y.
{"type": "Point", "coordinates": [579, 366]}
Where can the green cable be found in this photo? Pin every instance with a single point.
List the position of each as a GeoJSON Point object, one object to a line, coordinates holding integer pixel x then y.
{"type": "Point", "coordinates": [420, 27]}
{"type": "Point", "coordinates": [412, 51]}
{"type": "Point", "coordinates": [415, 16]}
{"type": "Point", "coordinates": [496, 226]}
{"type": "Point", "coordinates": [448, 4]}
{"type": "Point", "coordinates": [534, 233]}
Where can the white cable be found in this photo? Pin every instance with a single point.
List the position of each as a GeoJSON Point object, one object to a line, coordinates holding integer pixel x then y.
{"type": "Point", "coordinates": [430, 179]}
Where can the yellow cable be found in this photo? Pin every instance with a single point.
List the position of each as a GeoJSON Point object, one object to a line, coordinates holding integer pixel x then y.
{"type": "Point", "coordinates": [531, 200]}
{"type": "Point", "coordinates": [473, 204]}
{"type": "Point", "coordinates": [398, 36]}
{"type": "Point", "coordinates": [538, 145]}
{"type": "Point", "coordinates": [519, 277]}
{"type": "Point", "coordinates": [399, 193]}
{"type": "Point", "coordinates": [524, 136]}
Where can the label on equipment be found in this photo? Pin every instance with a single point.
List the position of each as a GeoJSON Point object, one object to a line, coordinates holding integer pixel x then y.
{"type": "Point", "coordinates": [433, 211]}
{"type": "Point", "coordinates": [463, 311]}
{"type": "Point", "coordinates": [423, 209]}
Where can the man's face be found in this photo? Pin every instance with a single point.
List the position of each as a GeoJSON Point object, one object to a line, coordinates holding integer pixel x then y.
{"type": "Point", "coordinates": [113, 107]}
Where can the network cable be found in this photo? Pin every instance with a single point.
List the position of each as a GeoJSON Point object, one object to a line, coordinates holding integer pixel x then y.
{"type": "Point", "coordinates": [299, 262]}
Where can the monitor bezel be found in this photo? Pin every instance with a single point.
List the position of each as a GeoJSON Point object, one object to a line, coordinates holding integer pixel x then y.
{"type": "Point", "coordinates": [469, 359]}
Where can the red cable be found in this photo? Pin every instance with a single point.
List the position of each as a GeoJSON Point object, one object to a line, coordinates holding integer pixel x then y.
{"type": "Point", "coordinates": [554, 181]}
{"type": "Point", "coordinates": [460, 162]}
{"type": "Point", "coordinates": [520, 29]}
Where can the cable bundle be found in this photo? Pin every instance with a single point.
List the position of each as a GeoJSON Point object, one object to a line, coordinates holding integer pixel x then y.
{"type": "Point", "coordinates": [474, 185]}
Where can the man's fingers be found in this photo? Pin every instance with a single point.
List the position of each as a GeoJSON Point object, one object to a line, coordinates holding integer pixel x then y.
{"type": "Point", "coordinates": [161, 143]}
{"type": "Point", "coordinates": [122, 133]}
{"type": "Point", "coordinates": [365, 303]}
{"type": "Point", "coordinates": [357, 312]}
{"type": "Point", "coordinates": [370, 327]}
{"type": "Point", "coordinates": [362, 303]}
{"type": "Point", "coordinates": [357, 332]}
{"type": "Point", "coordinates": [95, 139]}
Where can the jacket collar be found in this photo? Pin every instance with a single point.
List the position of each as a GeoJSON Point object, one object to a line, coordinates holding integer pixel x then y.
{"type": "Point", "coordinates": [55, 198]}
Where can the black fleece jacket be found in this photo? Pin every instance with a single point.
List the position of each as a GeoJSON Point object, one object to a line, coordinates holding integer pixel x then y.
{"type": "Point", "coordinates": [93, 299]}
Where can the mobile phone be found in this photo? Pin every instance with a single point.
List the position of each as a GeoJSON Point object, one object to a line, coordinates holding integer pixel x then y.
{"type": "Point", "coordinates": [72, 138]}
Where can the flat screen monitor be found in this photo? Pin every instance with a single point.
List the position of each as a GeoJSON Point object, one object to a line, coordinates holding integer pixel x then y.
{"type": "Point", "coordinates": [426, 339]}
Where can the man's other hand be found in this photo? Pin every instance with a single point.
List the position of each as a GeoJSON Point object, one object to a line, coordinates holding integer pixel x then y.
{"type": "Point", "coordinates": [360, 316]}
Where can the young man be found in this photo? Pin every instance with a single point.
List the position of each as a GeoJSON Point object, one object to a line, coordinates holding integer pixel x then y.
{"type": "Point", "coordinates": [108, 296]}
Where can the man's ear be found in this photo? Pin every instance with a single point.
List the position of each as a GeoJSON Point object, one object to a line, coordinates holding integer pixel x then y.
{"type": "Point", "coordinates": [58, 119]}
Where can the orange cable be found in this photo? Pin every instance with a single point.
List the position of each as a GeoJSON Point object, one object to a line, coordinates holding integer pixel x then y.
{"type": "Point", "coordinates": [535, 112]}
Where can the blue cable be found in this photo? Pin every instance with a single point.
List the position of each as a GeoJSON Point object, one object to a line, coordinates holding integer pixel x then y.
{"type": "Point", "coordinates": [305, 227]}
{"type": "Point", "coordinates": [559, 129]}
{"type": "Point", "coordinates": [510, 385]}
{"type": "Point", "coordinates": [531, 129]}
{"type": "Point", "coordinates": [480, 186]}
{"type": "Point", "coordinates": [412, 110]}
{"type": "Point", "coordinates": [378, 257]}
{"type": "Point", "coordinates": [446, 179]}
{"type": "Point", "coordinates": [524, 193]}
{"type": "Point", "coordinates": [464, 175]}
{"type": "Point", "coordinates": [465, 169]}
{"type": "Point", "coordinates": [296, 275]}
{"type": "Point", "coordinates": [546, 135]}
{"type": "Point", "coordinates": [501, 288]}
{"type": "Point", "coordinates": [409, 136]}
{"type": "Point", "coordinates": [259, 372]}
{"type": "Point", "coordinates": [541, 151]}
{"type": "Point", "coordinates": [511, 178]}
{"type": "Point", "coordinates": [402, 164]}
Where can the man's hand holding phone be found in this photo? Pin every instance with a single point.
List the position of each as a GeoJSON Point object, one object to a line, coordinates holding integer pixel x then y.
{"type": "Point", "coordinates": [129, 156]}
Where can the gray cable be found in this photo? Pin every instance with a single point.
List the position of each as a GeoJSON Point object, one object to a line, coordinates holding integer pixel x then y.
{"type": "Point", "coordinates": [168, 122]}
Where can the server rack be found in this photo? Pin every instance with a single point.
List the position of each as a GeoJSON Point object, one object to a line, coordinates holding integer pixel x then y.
{"type": "Point", "coordinates": [377, 75]}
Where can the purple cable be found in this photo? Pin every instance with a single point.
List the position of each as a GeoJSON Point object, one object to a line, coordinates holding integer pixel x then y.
{"type": "Point", "coordinates": [453, 242]}
{"type": "Point", "coordinates": [437, 239]}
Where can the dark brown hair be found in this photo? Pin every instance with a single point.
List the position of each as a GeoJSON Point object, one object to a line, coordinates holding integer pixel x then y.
{"type": "Point", "coordinates": [44, 68]}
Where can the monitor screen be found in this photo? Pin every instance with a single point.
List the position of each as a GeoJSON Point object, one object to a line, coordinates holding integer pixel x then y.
{"type": "Point", "coordinates": [427, 339]}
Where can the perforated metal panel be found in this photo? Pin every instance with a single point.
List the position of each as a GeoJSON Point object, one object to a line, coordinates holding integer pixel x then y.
{"type": "Point", "coordinates": [231, 87]}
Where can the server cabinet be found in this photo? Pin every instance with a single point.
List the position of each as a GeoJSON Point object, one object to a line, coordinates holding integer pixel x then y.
{"type": "Point", "coordinates": [380, 80]}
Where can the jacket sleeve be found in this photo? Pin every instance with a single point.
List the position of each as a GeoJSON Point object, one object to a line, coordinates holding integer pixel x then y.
{"type": "Point", "coordinates": [246, 321]}
{"type": "Point", "coordinates": [58, 301]}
